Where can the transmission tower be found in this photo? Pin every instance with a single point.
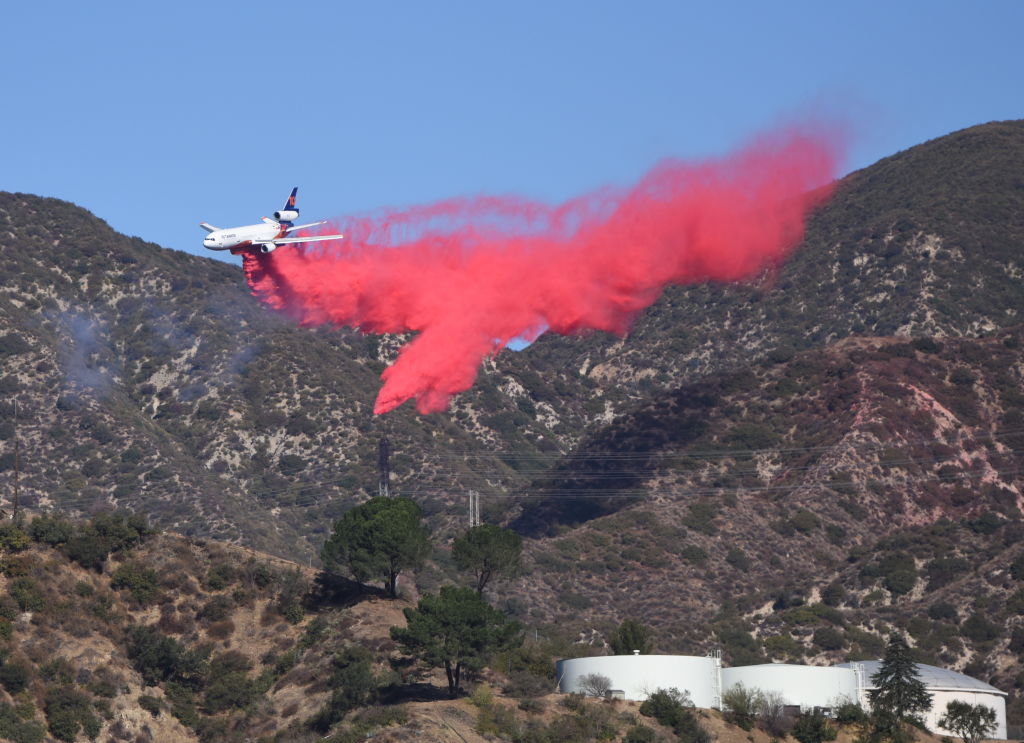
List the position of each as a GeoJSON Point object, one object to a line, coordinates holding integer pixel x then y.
{"type": "Point", "coordinates": [384, 467]}
{"type": "Point", "coordinates": [474, 509]}
{"type": "Point", "coordinates": [17, 462]}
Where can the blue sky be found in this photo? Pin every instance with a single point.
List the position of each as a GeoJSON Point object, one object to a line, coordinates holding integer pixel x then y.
{"type": "Point", "coordinates": [157, 117]}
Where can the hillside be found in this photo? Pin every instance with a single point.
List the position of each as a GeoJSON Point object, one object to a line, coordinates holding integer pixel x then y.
{"type": "Point", "coordinates": [159, 637]}
{"type": "Point", "coordinates": [785, 470]}
{"type": "Point", "coordinates": [927, 242]}
{"type": "Point", "coordinates": [149, 378]}
{"type": "Point", "coordinates": [145, 374]}
{"type": "Point", "coordinates": [800, 508]}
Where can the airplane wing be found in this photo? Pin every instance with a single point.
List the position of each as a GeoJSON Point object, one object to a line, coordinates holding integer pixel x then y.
{"type": "Point", "coordinates": [208, 227]}
{"type": "Point", "coordinates": [300, 226]}
{"type": "Point", "coordinates": [309, 239]}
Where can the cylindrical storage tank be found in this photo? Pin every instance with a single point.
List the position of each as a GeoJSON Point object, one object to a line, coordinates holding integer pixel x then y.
{"type": "Point", "coordinates": [807, 686]}
{"type": "Point", "coordinates": [637, 676]}
{"type": "Point", "coordinates": [945, 686]}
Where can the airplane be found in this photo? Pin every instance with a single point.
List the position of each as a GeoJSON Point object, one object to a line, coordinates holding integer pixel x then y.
{"type": "Point", "coordinates": [266, 237]}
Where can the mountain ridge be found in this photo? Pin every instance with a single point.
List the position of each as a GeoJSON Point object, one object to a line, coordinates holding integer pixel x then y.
{"type": "Point", "coordinates": [847, 423]}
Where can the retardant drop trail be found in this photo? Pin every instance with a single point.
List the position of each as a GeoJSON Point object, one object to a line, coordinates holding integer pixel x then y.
{"type": "Point", "coordinates": [470, 275]}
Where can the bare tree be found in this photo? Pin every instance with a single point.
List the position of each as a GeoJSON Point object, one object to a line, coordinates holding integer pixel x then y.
{"type": "Point", "coordinates": [595, 685]}
{"type": "Point", "coordinates": [771, 714]}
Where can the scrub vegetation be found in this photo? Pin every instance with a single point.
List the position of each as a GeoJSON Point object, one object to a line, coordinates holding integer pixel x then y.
{"type": "Point", "coordinates": [785, 471]}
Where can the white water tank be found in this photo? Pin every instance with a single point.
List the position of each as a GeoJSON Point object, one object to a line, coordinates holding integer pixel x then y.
{"type": "Point", "coordinates": [806, 686]}
{"type": "Point", "coordinates": [945, 686]}
{"type": "Point", "coordinates": [640, 675]}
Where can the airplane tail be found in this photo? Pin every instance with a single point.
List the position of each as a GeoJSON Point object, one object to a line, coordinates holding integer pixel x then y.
{"type": "Point", "coordinates": [290, 212]}
{"type": "Point", "coordinates": [289, 205]}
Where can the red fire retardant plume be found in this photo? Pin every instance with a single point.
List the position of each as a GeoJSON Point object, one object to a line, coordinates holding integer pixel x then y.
{"type": "Point", "coordinates": [470, 275]}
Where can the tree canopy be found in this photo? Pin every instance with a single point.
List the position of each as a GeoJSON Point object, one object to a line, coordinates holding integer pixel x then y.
{"type": "Point", "coordinates": [630, 636]}
{"type": "Point", "coordinates": [378, 540]}
{"type": "Point", "coordinates": [899, 695]}
{"type": "Point", "coordinates": [972, 722]}
{"type": "Point", "coordinates": [488, 551]}
{"type": "Point", "coordinates": [456, 629]}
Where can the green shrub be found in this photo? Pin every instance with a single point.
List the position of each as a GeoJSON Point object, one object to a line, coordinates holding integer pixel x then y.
{"type": "Point", "coordinates": [835, 533]}
{"type": "Point", "coordinates": [88, 549]}
{"type": "Point", "coordinates": [151, 704]}
{"type": "Point", "coordinates": [701, 518]}
{"type": "Point", "coordinates": [259, 573]}
{"type": "Point", "coordinates": [90, 544]}
{"type": "Point", "coordinates": [1017, 568]}
{"type": "Point", "coordinates": [927, 345]}
{"type": "Point", "coordinates": [804, 521]}
{"type": "Point", "coordinates": [220, 576]}
{"type": "Point", "coordinates": [813, 728]}
{"type": "Point", "coordinates": [141, 582]}
{"type": "Point", "coordinates": [158, 657]}
{"type": "Point", "coordinates": [944, 570]}
{"type": "Point", "coordinates": [57, 670]}
{"type": "Point", "coordinates": [12, 537]}
{"type": "Point", "coordinates": [640, 734]}
{"type": "Point", "coordinates": [26, 593]}
{"type": "Point", "coordinates": [736, 557]}
{"type": "Point", "coordinates": [977, 628]}
{"type": "Point", "coordinates": [1017, 641]}
{"type": "Point", "coordinates": [353, 685]}
{"type": "Point", "coordinates": [14, 676]}
{"type": "Point", "coordinates": [833, 594]}
{"type": "Point", "coordinates": [961, 375]}
{"type": "Point", "coordinates": [942, 611]}
{"type": "Point", "coordinates": [988, 523]}
{"type": "Point", "coordinates": [828, 638]}
{"type": "Point", "coordinates": [850, 713]}
{"type": "Point", "coordinates": [217, 609]}
{"type": "Point", "coordinates": [228, 685]}
{"type": "Point", "coordinates": [693, 554]}
{"type": "Point", "coordinates": [67, 712]}
{"type": "Point", "coordinates": [17, 730]}
{"type": "Point", "coordinates": [675, 710]}
{"type": "Point", "coordinates": [291, 464]}
{"type": "Point", "coordinates": [314, 633]}
{"type": "Point", "coordinates": [900, 582]}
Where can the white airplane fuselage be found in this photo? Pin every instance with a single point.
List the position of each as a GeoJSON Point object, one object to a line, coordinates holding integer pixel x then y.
{"type": "Point", "coordinates": [243, 237]}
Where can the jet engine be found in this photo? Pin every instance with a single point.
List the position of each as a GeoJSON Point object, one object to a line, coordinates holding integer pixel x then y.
{"type": "Point", "coordinates": [287, 215]}
{"type": "Point", "coordinates": [268, 248]}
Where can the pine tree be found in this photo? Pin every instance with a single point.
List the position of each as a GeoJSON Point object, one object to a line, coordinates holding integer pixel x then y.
{"type": "Point", "coordinates": [899, 696]}
{"type": "Point", "coordinates": [456, 630]}
{"type": "Point", "coordinates": [378, 539]}
{"type": "Point", "coordinates": [488, 551]}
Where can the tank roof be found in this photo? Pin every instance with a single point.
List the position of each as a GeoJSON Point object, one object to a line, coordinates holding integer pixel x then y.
{"type": "Point", "coordinates": [932, 676]}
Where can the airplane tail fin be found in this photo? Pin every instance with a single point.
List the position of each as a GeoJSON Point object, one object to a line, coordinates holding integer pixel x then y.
{"type": "Point", "coordinates": [289, 205]}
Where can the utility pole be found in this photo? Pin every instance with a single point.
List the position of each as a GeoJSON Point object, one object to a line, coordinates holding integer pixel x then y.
{"type": "Point", "coordinates": [474, 509]}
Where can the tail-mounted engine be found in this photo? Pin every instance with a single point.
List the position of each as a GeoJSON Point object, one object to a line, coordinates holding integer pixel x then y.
{"type": "Point", "coordinates": [286, 215]}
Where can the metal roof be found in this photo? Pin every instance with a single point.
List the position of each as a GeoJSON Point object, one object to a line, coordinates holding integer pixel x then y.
{"type": "Point", "coordinates": [932, 676]}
